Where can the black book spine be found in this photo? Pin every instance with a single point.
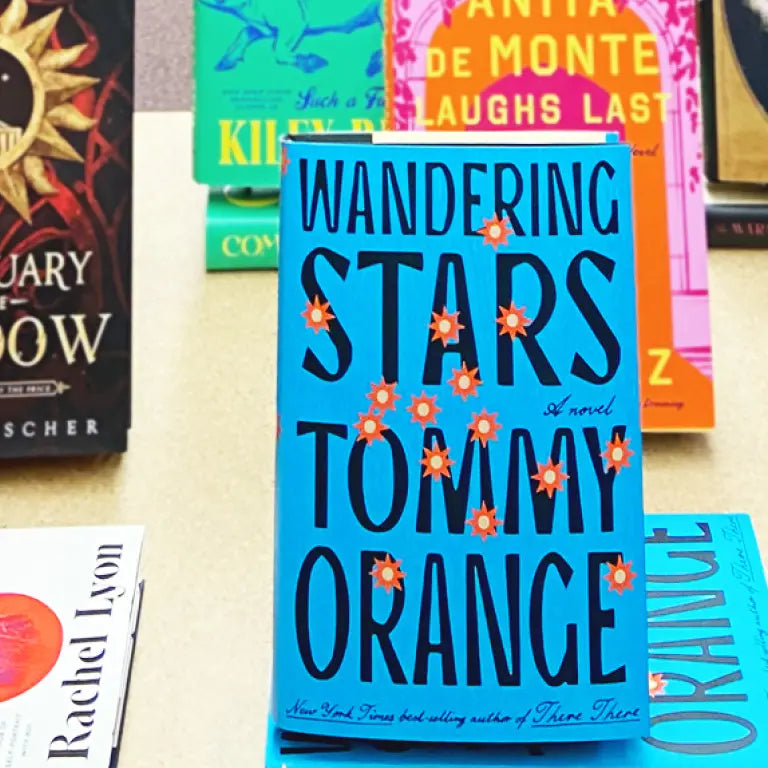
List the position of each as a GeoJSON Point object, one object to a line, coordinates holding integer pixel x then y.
{"type": "Point", "coordinates": [737, 226]}
{"type": "Point", "coordinates": [709, 101]}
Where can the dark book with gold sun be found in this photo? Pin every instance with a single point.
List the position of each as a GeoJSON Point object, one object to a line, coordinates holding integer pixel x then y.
{"type": "Point", "coordinates": [66, 110]}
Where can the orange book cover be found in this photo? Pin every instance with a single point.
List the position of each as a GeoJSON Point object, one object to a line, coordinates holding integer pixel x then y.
{"type": "Point", "coordinates": [629, 66]}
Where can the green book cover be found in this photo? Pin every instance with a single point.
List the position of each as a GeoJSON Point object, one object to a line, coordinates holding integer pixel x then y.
{"type": "Point", "coordinates": [265, 68]}
{"type": "Point", "coordinates": [242, 230]}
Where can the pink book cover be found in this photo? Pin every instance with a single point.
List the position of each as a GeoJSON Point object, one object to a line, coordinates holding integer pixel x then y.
{"type": "Point", "coordinates": [629, 66]}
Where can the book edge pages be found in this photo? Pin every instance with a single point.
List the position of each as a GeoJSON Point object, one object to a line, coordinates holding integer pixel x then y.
{"type": "Point", "coordinates": [128, 669]}
{"type": "Point", "coordinates": [128, 654]}
{"type": "Point", "coordinates": [494, 137]}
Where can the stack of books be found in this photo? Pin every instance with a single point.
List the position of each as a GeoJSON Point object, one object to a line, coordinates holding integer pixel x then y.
{"type": "Point", "coordinates": [463, 571]}
{"type": "Point", "coordinates": [708, 656]}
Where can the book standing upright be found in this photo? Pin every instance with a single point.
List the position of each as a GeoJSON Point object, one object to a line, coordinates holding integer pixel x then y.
{"type": "Point", "coordinates": [734, 61]}
{"type": "Point", "coordinates": [264, 68]}
{"type": "Point", "coordinates": [624, 65]}
{"type": "Point", "coordinates": [66, 70]}
{"type": "Point", "coordinates": [459, 546]}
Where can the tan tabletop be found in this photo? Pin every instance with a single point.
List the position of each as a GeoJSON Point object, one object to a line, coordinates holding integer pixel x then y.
{"type": "Point", "coordinates": [199, 470]}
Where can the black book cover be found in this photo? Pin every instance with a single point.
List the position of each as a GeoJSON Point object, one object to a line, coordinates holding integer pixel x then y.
{"type": "Point", "coordinates": [733, 37]}
{"type": "Point", "coordinates": [66, 112]}
{"type": "Point", "coordinates": [747, 23]}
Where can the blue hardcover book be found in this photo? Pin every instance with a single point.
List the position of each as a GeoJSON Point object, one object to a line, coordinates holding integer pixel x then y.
{"type": "Point", "coordinates": [708, 648]}
{"type": "Point", "coordinates": [459, 533]}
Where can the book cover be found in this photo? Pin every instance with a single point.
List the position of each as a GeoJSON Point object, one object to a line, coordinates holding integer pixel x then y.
{"type": "Point", "coordinates": [708, 625]}
{"type": "Point", "coordinates": [459, 539]}
{"type": "Point", "coordinates": [242, 229]}
{"type": "Point", "coordinates": [264, 68]}
{"type": "Point", "coordinates": [68, 615]}
{"type": "Point", "coordinates": [66, 70]}
{"type": "Point", "coordinates": [624, 65]}
{"type": "Point", "coordinates": [734, 39]}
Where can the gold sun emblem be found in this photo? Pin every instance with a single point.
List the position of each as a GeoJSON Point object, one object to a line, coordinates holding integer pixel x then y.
{"type": "Point", "coordinates": [34, 103]}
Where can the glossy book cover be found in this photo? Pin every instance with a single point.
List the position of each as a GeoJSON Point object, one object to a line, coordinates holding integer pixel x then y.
{"type": "Point", "coordinates": [68, 613]}
{"type": "Point", "coordinates": [459, 543]}
{"type": "Point", "coordinates": [66, 95]}
{"type": "Point", "coordinates": [734, 61]}
{"type": "Point", "coordinates": [242, 229]}
{"type": "Point", "coordinates": [708, 625]}
{"type": "Point", "coordinates": [264, 68]}
{"type": "Point", "coordinates": [629, 66]}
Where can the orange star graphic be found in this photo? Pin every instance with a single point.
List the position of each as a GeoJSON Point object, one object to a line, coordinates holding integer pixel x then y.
{"type": "Point", "coordinates": [424, 409]}
{"type": "Point", "coordinates": [465, 382]}
{"type": "Point", "coordinates": [620, 576]}
{"type": "Point", "coordinates": [383, 396]}
{"type": "Point", "coordinates": [550, 477]}
{"type": "Point", "coordinates": [656, 684]}
{"type": "Point", "coordinates": [286, 161]}
{"type": "Point", "coordinates": [445, 326]}
{"type": "Point", "coordinates": [484, 522]}
{"type": "Point", "coordinates": [370, 427]}
{"type": "Point", "coordinates": [436, 462]}
{"type": "Point", "coordinates": [617, 454]}
{"type": "Point", "coordinates": [496, 231]}
{"type": "Point", "coordinates": [317, 315]}
{"type": "Point", "coordinates": [513, 321]}
{"type": "Point", "coordinates": [387, 573]}
{"type": "Point", "coordinates": [484, 427]}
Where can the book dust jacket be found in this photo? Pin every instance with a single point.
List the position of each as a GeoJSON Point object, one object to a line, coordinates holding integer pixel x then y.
{"type": "Point", "coordinates": [629, 66]}
{"type": "Point", "coordinates": [264, 68]}
{"type": "Point", "coordinates": [459, 541]}
{"type": "Point", "coordinates": [69, 609]}
{"type": "Point", "coordinates": [66, 109]}
{"type": "Point", "coordinates": [708, 679]}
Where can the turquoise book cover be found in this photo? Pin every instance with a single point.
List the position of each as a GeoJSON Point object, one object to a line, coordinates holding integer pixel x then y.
{"type": "Point", "coordinates": [264, 68]}
{"type": "Point", "coordinates": [459, 534]}
{"type": "Point", "coordinates": [708, 649]}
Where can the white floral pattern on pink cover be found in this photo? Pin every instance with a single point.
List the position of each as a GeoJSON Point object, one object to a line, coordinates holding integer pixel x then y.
{"type": "Point", "coordinates": [674, 23]}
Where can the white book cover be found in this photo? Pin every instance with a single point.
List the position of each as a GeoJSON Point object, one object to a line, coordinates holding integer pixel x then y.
{"type": "Point", "coordinates": [69, 600]}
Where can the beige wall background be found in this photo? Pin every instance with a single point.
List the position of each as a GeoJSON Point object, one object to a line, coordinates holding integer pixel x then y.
{"type": "Point", "coordinates": [163, 54]}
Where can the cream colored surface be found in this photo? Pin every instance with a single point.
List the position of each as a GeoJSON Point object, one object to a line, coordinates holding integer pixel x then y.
{"type": "Point", "coordinates": [199, 469]}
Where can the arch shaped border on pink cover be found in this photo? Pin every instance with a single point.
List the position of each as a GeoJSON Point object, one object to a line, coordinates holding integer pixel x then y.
{"type": "Point", "coordinates": [674, 24]}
